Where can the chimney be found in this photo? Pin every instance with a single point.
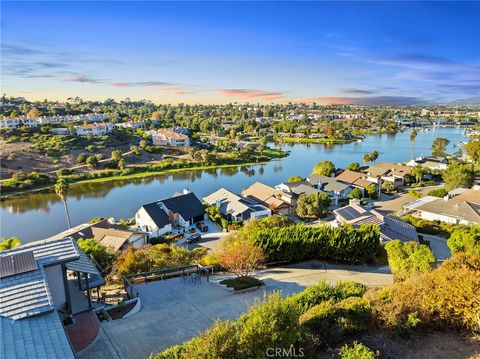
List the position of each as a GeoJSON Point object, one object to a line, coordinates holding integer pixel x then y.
{"type": "Point", "coordinates": [446, 198]}
{"type": "Point", "coordinates": [186, 190]}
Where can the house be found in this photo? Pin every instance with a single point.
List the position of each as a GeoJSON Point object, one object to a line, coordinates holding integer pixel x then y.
{"type": "Point", "coordinates": [168, 137]}
{"type": "Point", "coordinates": [133, 124]}
{"type": "Point", "coordinates": [157, 218]}
{"type": "Point", "coordinates": [94, 129]}
{"type": "Point", "coordinates": [278, 201]}
{"type": "Point", "coordinates": [390, 227]}
{"type": "Point", "coordinates": [15, 122]}
{"type": "Point", "coordinates": [397, 174]}
{"type": "Point", "coordinates": [463, 208]}
{"type": "Point", "coordinates": [297, 188]}
{"type": "Point", "coordinates": [60, 131]}
{"type": "Point", "coordinates": [235, 207]}
{"type": "Point", "coordinates": [41, 283]}
{"type": "Point", "coordinates": [332, 186]}
{"type": "Point", "coordinates": [356, 179]}
{"type": "Point", "coordinates": [107, 233]}
{"type": "Point", "coordinates": [433, 163]}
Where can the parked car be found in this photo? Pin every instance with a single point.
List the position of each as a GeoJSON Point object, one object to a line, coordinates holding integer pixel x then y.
{"type": "Point", "coordinates": [202, 227]}
{"type": "Point", "coordinates": [193, 238]}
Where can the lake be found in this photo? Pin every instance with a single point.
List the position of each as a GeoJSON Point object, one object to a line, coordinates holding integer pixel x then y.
{"type": "Point", "coordinates": [38, 216]}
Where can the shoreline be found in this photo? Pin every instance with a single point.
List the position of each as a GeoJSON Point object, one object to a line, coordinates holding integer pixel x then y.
{"type": "Point", "coordinates": [136, 175]}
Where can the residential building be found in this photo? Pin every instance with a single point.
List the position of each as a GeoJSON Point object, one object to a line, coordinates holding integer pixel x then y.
{"type": "Point", "coordinates": [41, 283]}
{"type": "Point", "coordinates": [16, 122]}
{"type": "Point", "coordinates": [463, 208]}
{"type": "Point", "coordinates": [356, 179]}
{"type": "Point", "coordinates": [397, 174]}
{"type": "Point", "coordinates": [133, 124]}
{"type": "Point", "coordinates": [433, 163]}
{"type": "Point", "coordinates": [235, 207]}
{"type": "Point", "coordinates": [107, 233]}
{"type": "Point", "coordinates": [94, 129]}
{"type": "Point", "coordinates": [158, 218]}
{"type": "Point", "coordinates": [167, 137]}
{"type": "Point", "coordinates": [335, 188]}
{"type": "Point", "coordinates": [60, 131]}
{"type": "Point", "coordinates": [390, 227]}
{"type": "Point", "coordinates": [278, 201]}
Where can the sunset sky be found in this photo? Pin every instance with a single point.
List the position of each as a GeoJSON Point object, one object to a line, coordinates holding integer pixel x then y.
{"type": "Point", "coordinates": [220, 52]}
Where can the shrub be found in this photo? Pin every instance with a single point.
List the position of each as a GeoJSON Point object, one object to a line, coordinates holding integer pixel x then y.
{"type": "Point", "coordinates": [82, 157]}
{"type": "Point", "coordinates": [99, 252]}
{"type": "Point", "coordinates": [64, 172]}
{"type": "Point", "coordinates": [295, 179]}
{"type": "Point", "coordinates": [299, 242]}
{"type": "Point", "coordinates": [465, 240]}
{"type": "Point", "coordinates": [407, 259]}
{"type": "Point", "coordinates": [447, 296]}
{"type": "Point", "coordinates": [357, 351]}
{"type": "Point", "coordinates": [414, 194]}
{"type": "Point", "coordinates": [241, 258]}
{"type": "Point", "coordinates": [356, 193]}
{"type": "Point", "coordinates": [440, 192]}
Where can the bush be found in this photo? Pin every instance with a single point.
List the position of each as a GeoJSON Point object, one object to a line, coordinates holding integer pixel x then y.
{"type": "Point", "coordinates": [447, 296]}
{"type": "Point", "coordinates": [465, 240]}
{"type": "Point", "coordinates": [357, 351]}
{"type": "Point", "coordinates": [64, 172]}
{"type": "Point", "coordinates": [299, 242]}
{"type": "Point", "coordinates": [409, 258]}
{"type": "Point", "coordinates": [356, 193]}
{"type": "Point", "coordinates": [82, 157]}
{"type": "Point", "coordinates": [99, 252]}
{"type": "Point", "coordinates": [441, 192]}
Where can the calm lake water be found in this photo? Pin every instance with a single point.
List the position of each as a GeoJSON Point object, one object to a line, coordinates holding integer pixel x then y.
{"type": "Point", "coordinates": [39, 216]}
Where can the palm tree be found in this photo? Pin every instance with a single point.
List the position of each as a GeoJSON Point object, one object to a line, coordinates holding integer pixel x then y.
{"type": "Point", "coordinates": [9, 243]}
{"type": "Point", "coordinates": [413, 136]}
{"type": "Point", "coordinates": [367, 157]}
{"type": "Point", "coordinates": [61, 189]}
{"type": "Point", "coordinates": [374, 156]}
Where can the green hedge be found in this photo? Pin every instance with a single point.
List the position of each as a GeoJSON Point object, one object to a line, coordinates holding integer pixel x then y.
{"type": "Point", "coordinates": [300, 242]}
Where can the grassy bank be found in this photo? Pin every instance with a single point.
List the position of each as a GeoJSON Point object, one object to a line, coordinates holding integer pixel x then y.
{"type": "Point", "coordinates": [141, 171]}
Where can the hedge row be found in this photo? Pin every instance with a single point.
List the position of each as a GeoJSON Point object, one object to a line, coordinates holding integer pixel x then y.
{"type": "Point", "coordinates": [299, 242]}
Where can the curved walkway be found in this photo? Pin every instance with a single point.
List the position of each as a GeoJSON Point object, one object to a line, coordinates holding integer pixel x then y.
{"type": "Point", "coordinates": [84, 330]}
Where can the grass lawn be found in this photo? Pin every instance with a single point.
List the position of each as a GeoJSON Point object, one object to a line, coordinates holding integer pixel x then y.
{"type": "Point", "coordinates": [244, 283]}
{"type": "Point", "coordinates": [314, 140]}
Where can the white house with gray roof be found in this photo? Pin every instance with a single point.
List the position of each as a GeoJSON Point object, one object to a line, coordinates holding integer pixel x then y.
{"type": "Point", "coordinates": [41, 283]}
{"type": "Point", "coordinates": [332, 186]}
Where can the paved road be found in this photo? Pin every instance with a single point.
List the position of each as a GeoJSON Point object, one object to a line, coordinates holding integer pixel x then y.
{"type": "Point", "coordinates": [174, 312]}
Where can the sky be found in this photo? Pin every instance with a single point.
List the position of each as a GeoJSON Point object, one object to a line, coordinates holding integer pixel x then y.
{"type": "Point", "coordinates": [257, 52]}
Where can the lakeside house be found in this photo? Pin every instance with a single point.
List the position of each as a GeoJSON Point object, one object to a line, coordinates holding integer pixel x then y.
{"type": "Point", "coordinates": [335, 188]}
{"type": "Point", "coordinates": [356, 179]}
{"type": "Point", "coordinates": [390, 227]}
{"type": "Point", "coordinates": [159, 217]}
{"type": "Point", "coordinates": [234, 207]}
{"type": "Point", "coordinates": [41, 284]}
{"type": "Point", "coordinates": [277, 201]}
{"type": "Point", "coordinates": [106, 233]}
{"type": "Point", "coordinates": [168, 137]}
{"type": "Point", "coordinates": [397, 174]}
{"type": "Point", "coordinates": [458, 207]}
{"type": "Point", "coordinates": [431, 162]}
{"type": "Point", "coordinates": [94, 129]}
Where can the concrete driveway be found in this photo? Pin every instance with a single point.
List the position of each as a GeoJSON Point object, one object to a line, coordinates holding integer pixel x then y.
{"type": "Point", "coordinates": [174, 311]}
{"type": "Point", "coordinates": [439, 247]}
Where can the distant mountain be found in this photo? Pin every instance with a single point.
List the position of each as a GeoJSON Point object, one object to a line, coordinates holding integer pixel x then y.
{"type": "Point", "coordinates": [472, 101]}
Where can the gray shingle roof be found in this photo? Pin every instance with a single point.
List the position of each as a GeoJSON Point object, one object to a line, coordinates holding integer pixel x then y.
{"type": "Point", "coordinates": [330, 184]}
{"type": "Point", "coordinates": [157, 214]}
{"type": "Point", "coordinates": [39, 337]}
{"type": "Point", "coordinates": [187, 205]}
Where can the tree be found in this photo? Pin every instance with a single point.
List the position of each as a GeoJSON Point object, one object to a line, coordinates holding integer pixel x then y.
{"type": "Point", "coordinates": [439, 145]}
{"type": "Point", "coordinates": [142, 144]}
{"type": "Point", "coordinates": [473, 150]}
{"type": "Point", "coordinates": [371, 191]}
{"type": "Point", "coordinates": [82, 157]}
{"type": "Point", "coordinates": [241, 258]}
{"type": "Point", "coordinates": [33, 113]}
{"type": "Point", "coordinates": [122, 164]}
{"type": "Point", "coordinates": [9, 243]}
{"type": "Point", "coordinates": [388, 186]}
{"type": "Point", "coordinates": [413, 136]}
{"type": "Point", "coordinates": [370, 157]}
{"type": "Point", "coordinates": [410, 258]}
{"type": "Point", "coordinates": [419, 172]}
{"type": "Point", "coordinates": [156, 115]}
{"type": "Point", "coordinates": [92, 162]}
{"type": "Point", "coordinates": [356, 193]}
{"type": "Point", "coordinates": [61, 189]}
{"type": "Point", "coordinates": [325, 168]}
{"type": "Point", "coordinates": [465, 240]}
{"type": "Point", "coordinates": [295, 179]}
{"type": "Point", "coordinates": [116, 155]}
{"type": "Point", "coordinates": [354, 166]}
{"type": "Point", "coordinates": [313, 205]}
{"type": "Point", "coordinates": [458, 175]}
{"type": "Point", "coordinates": [135, 150]}
{"type": "Point", "coordinates": [98, 251]}
{"type": "Point", "coordinates": [374, 155]}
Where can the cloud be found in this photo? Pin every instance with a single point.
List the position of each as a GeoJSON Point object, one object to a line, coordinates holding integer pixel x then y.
{"type": "Point", "coordinates": [359, 91]}
{"type": "Point", "coordinates": [374, 101]}
{"type": "Point", "coordinates": [253, 94]}
{"type": "Point", "coordinates": [85, 79]}
{"type": "Point", "coordinates": [19, 50]}
{"type": "Point", "coordinates": [142, 84]}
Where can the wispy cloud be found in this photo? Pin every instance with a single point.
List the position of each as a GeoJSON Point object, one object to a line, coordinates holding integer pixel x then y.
{"type": "Point", "coordinates": [359, 91]}
{"type": "Point", "coordinates": [85, 79]}
{"type": "Point", "coordinates": [142, 84]}
{"type": "Point", "coordinates": [253, 94]}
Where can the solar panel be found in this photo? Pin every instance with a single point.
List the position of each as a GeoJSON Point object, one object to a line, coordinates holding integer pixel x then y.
{"type": "Point", "coordinates": [17, 263]}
